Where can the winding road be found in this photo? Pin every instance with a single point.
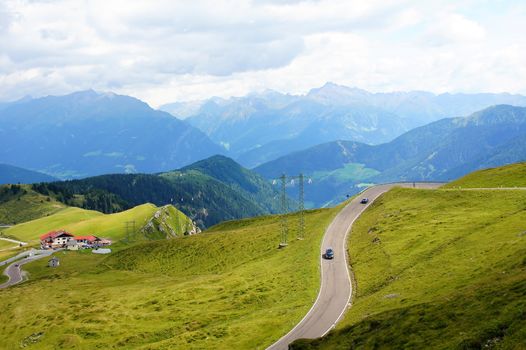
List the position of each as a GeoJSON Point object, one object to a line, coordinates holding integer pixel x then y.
{"type": "Point", "coordinates": [336, 289]}
{"type": "Point", "coordinates": [14, 271]}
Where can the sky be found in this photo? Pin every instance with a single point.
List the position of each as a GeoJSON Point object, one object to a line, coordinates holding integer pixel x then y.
{"type": "Point", "coordinates": [167, 51]}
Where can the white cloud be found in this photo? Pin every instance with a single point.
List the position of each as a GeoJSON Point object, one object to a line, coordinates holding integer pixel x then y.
{"type": "Point", "coordinates": [453, 28]}
{"type": "Point", "coordinates": [178, 50]}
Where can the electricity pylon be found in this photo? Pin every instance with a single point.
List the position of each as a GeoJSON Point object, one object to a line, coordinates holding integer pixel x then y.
{"type": "Point", "coordinates": [284, 207]}
{"type": "Point", "coordinates": [130, 228]}
{"type": "Point", "coordinates": [301, 209]}
{"type": "Point", "coordinates": [284, 212]}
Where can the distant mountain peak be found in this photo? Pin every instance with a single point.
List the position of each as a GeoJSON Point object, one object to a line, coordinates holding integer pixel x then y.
{"type": "Point", "coordinates": [213, 161]}
{"type": "Point", "coordinates": [332, 93]}
{"type": "Point", "coordinates": [83, 93]}
{"type": "Point", "coordinates": [98, 133]}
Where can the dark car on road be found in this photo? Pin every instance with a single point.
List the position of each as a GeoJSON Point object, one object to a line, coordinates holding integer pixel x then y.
{"type": "Point", "coordinates": [364, 200]}
{"type": "Point", "coordinates": [329, 253]}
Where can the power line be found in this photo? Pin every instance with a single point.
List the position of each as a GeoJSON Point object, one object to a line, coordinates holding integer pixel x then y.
{"type": "Point", "coordinates": [284, 211]}
{"type": "Point", "coordinates": [284, 207]}
{"type": "Point", "coordinates": [301, 208]}
{"type": "Point", "coordinates": [130, 229]}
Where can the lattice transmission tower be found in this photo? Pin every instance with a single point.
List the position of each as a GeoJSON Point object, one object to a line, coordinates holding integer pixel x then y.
{"type": "Point", "coordinates": [284, 208]}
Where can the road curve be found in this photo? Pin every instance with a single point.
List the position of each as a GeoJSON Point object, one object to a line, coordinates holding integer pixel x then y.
{"type": "Point", "coordinates": [336, 288]}
{"type": "Point", "coordinates": [14, 271]}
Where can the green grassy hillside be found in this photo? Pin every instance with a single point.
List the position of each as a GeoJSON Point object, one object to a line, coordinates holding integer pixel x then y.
{"type": "Point", "coordinates": [31, 230]}
{"type": "Point", "coordinates": [19, 203]}
{"type": "Point", "coordinates": [85, 222]}
{"type": "Point", "coordinates": [442, 269]}
{"type": "Point", "coordinates": [513, 175]}
{"type": "Point", "coordinates": [227, 288]}
{"type": "Point", "coordinates": [6, 245]}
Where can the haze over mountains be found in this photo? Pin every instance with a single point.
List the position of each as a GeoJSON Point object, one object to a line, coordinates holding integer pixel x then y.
{"type": "Point", "coordinates": [11, 175]}
{"type": "Point", "coordinates": [89, 133]}
{"type": "Point", "coordinates": [260, 127]}
{"type": "Point", "coordinates": [384, 136]}
{"type": "Point", "coordinates": [442, 150]}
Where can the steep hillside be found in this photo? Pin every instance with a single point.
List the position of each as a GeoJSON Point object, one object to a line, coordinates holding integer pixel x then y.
{"type": "Point", "coordinates": [230, 288]}
{"type": "Point", "coordinates": [209, 191]}
{"type": "Point", "coordinates": [88, 133]}
{"type": "Point", "coordinates": [231, 173]}
{"type": "Point", "coordinates": [258, 128]}
{"type": "Point", "coordinates": [442, 150]}
{"type": "Point", "coordinates": [19, 203]}
{"type": "Point", "coordinates": [14, 175]}
{"type": "Point", "coordinates": [441, 269]}
{"type": "Point", "coordinates": [513, 175]}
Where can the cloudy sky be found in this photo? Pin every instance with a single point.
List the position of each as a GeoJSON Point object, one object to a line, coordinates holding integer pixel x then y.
{"type": "Point", "coordinates": [165, 51]}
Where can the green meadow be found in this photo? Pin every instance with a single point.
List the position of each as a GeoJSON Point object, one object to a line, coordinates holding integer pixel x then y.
{"type": "Point", "coordinates": [437, 269]}
{"type": "Point", "coordinates": [229, 287]}
{"type": "Point", "coordinates": [86, 222]}
{"type": "Point", "coordinates": [30, 231]}
{"type": "Point", "coordinates": [6, 254]}
{"type": "Point", "coordinates": [513, 175]}
{"type": "Point", "coordinates": [6, 245]}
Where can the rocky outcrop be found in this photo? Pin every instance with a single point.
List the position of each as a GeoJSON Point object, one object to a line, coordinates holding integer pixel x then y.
{"type": "Point", "coordinates": [168, 222]}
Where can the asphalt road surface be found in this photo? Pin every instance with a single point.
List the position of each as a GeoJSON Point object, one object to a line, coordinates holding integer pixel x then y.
{"type": "Point", "coordinates": [336, 289]}
{"type": "Point", "coordinates": [14, 271]}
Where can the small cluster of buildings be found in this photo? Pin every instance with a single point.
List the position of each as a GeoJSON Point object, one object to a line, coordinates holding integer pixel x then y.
{"type": "Point", "coordinates": [64, 239]}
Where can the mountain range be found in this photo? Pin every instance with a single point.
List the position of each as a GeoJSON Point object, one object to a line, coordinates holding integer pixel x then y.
{"type": "Point", "coordinates": [384, 137]}
{"type": "Point", "coordinates": [261, 127]}
{"type": "Point", "coordinates": [11, 175]}
{"type": "Point", "coordinates": [442, 150]}
{"type": "Point", "coordinates": [88, 133]}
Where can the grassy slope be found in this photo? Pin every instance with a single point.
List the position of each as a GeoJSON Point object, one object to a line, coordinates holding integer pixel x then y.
{"type": "Point", "coordinates": [83, 222]}
{"type": "Point", "coordinates": [6, 254]}
{"type": "Point", "coordinates": [113, 225]}
{"type": "Point", "coordinates": [227, 288]}
{"type": "Point", "coordinates": [6, 245]}
{"type": "Point", "coordinates": [513, 175]}
{"type": "Point", "coordinates": [437, 269]}
{"type": "Point", "coordinates": [28, 206]}
{"type": "Point", "coordinates": [31, 230]}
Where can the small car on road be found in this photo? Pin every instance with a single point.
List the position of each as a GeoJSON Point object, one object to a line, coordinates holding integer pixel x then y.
{"type": "Point", "coordinates": [329, 253]}
{"type": "Point", "coordinates": [364, 200]}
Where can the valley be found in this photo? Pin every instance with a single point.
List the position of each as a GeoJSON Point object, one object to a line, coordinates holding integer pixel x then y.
{"type": "Point", "coordinates": [398, 249]}
{"type": "Point", "coordinates": [262, 175]}
{"type": "Point", "coordinates": [440, 151]}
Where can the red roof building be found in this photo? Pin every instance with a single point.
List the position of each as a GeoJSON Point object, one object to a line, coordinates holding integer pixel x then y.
{"type": "Point", "coordinates": [55, 239]}
{"type": "Point", "coordinates": [87, 239]}
{"type": "Point", "coordinates": [54, 234]}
